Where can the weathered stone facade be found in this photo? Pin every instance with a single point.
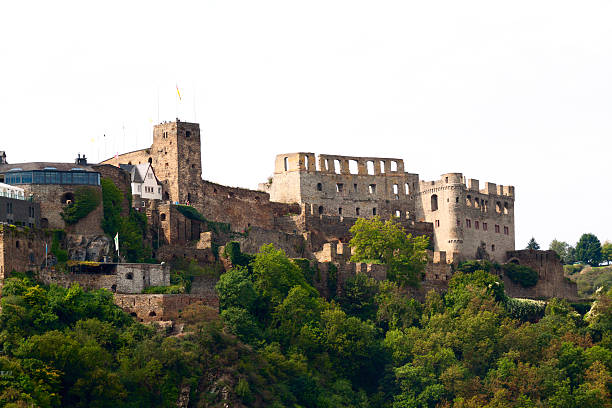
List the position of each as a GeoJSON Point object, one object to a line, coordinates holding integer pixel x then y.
{"type": "Point", "coordinates": [463, 216]}
{"type": "Point", "coordinates": [19, 212]}
{"type": "Point", "coordinates": [21, 249]}
{"type": "Point", "coordinates": [119, 278]}
{"type": "Point", "coordinates": [152, 308]}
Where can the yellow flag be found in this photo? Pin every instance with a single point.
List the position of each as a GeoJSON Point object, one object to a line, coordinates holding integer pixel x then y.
{"type": "Point", "coordinates": [179, 93]}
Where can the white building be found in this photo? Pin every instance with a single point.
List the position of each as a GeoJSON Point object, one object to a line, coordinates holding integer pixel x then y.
{"type": "Point", "coordinates": [9, 191]}
{"type": "Point", "coordinates": [145, 185]}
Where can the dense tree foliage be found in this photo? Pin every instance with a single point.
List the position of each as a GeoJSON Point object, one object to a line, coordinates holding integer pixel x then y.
{"type": "Point", "coordinates": [278, 344]}
{"type": "Point", "coordinates": [86, 199]}
{"type": "Point", "coordinates": [387, 243]}
{"type": "Point", "coordinates": [588, 250]}
{"type": "Point", "coordinates": [565, 251]}
{"type": "Point", "coordinates": [606, 252]}
{"type": "Point", "coordinates": [131, 229]}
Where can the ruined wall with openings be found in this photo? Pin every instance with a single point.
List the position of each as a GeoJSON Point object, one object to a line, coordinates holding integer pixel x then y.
{"type": "Point", "coordinates": [345, 185]}
{"type": "Point", "coordinates": [464, 216]}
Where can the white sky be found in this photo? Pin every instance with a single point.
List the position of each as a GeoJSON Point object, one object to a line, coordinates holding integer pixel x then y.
{"type": "Point", "coordinates": [517, 93]}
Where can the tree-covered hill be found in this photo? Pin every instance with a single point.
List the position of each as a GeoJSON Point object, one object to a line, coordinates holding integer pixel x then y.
{"type": "Point", "coordinates": [277, 343]}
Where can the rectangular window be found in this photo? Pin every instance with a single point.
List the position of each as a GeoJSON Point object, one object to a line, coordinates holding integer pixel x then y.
{"type": "Point", "coordinates": [484, 226]}
{"type": "Point", "coordinates": [437, 223]}
{"type": "Point", "coordinates": [468, 223]}
{"type": "Point", "coordinates": [339, 187]}
{"type": "Point", "coordinates": [340, 211]}
{"type": "Point", "coordinates": [497, 229]}
{"type": "Point", "coordinates": [357, 211]}
{"type": "Point", "coordinates": [355, 187]}
{"type": "Point", "coordinates": [476, 225]}
{"type": "Point", "coordinates": [372, 188]}
{"type": "Point", "coordinates": [506, 231]}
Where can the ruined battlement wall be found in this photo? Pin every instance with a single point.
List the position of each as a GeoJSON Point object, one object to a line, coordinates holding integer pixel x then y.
{"type": "Point", "coordinates": [151, 308]}
{"type": "Point", "coordinates": [336, 187]}
{"type": "Point", "coordinates": [470, 184]}
{"type": "Point", "coordinates": [551, 280]}
{"type": "Point", "coordinates": [241, 208]}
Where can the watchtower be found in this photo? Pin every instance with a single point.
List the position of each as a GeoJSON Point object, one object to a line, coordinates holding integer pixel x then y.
{"type": "Point", "coordinates": [177, 160]}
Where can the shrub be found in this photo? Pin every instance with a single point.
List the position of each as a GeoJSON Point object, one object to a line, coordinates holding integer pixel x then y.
{"type": "Point", "coordinates": [525, 309]}
{"type": "Point", "coordinates": [523, 275]}
{"type": "Point", "coordinates": [86, 199]}
{"type": "Point", "coordinates": [193, 214]}
{"type": "Point", "coordinates": [474, 265]}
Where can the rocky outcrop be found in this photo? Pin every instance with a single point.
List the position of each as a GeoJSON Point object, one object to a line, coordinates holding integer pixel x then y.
{"type": "Point", "coordinates": [89, 247]}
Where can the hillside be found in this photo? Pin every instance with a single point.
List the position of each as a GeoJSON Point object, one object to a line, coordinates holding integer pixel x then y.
{"type": "Point", "coordinates": [278, 343]}
{"type": "Point", "coordinates": [589, 279]}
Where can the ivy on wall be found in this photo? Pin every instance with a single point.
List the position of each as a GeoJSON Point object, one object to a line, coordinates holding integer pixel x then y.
{"type": "Point", "coordinates": [86, 199]}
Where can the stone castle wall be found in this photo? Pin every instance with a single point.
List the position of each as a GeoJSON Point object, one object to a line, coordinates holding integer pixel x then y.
{"type": "Point", "coordinates": [151, 308]}
{"type": "Point", "coordinates": [121, 179]}
{"type": "Point", "coordinates": [551, 280]}
{"type": "Point", "coordinates": [20, 250]}
{"type": "Point", "coordinates": [52, 199]}
{"type": "Point", "coordinates": [23, 212]}
{"type": "Point", "coordinates": [345, 186]}
{"type": "Point", "coordinates": [125, 278]}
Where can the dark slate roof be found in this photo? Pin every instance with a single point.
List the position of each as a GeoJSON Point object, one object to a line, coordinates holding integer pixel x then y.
{"type": "Point", "coordinates": [41, 166]}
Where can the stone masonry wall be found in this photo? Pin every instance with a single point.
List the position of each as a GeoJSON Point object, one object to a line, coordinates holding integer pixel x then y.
{"type": "Point", "coordinates": [551, 280]}
{"type": "Point", "coordinates": [464, 216]}
{"type": "Point", "coordinates": [151, 308]}
{"type": "Point", "coordinates": [121, 179]}
{"type": "Point", "coordinates": [20, 250]}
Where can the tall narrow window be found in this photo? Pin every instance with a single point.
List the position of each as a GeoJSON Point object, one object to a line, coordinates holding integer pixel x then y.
{"type": "Point", "coordinates": [319, 187]}
{"type": "Point", "coordinates": [286, 161]}
{"type": "Point", "coordinates": [357, 211]}
{"type": "Point", "coordinates": [372, 188]}
{"type": "Point", "coordinates": [339, 187]}
{"type": "Point", "coordinates": [374, 211]}
{"type": "Point", "coordinates": [434, 202]}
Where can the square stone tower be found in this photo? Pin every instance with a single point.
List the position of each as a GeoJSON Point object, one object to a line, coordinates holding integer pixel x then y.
{"type": "Point", "coordinates": [177, 159]}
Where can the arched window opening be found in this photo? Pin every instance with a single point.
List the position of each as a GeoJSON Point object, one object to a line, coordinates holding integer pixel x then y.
{"type": "Point", "coordinates": [114, 288]}
{"type": "Point", "coordinates": [67, 198]}
{"type": "Point", "coordinates": [339, 210]}
{"type": "Point", "coordinates": [162, 217]}
{"type": "Point", "coordinates": [357, 211]}
{"type": "Point", "coordinates": [506, 208]}
{"type": "Point", "coordinates": [152, 313]}
{"type": "Point", "coordinates": [382, 166]}
{"type": "Point", "coordinates": [498, 207]}
{"type": "Point", "coordinates": [434, 202]}
{"type": "Point", "coordinates": [476, 205]}
{"type": "Point", "coordinates": [374, 211]}
{"type": "Point", "coordinates": [319, 187]}
{"type": "Point", "coordinates": [468, 200]}
{"type": "Point", "coordinates": [306, 162]}
{"type": "Point", "coordinates": [393, 165]}
{"type": "Point", "coordinates": [129, 276]}
{"type": "Point", "coordinates": [407, 188]}
{"type": "Point", "coordinates": [320, 209]}
{"type": "Point", "coordinates": [395, 189]}
{"type": "Point", "coordinates": [398, 213]}
{"type": "Point", "coordinates": [337, 166]}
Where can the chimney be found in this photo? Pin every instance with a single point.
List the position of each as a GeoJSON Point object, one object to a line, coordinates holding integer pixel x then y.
{"type": "Point", "coordinates": [81, 160]}
{"type": "Point", "coordinates": [2, 157]}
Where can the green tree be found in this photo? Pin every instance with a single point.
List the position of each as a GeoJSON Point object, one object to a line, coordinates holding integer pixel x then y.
{"type": "Point", "coordinates": [563, 249]}
{"type": "Point", "coordinates": [387, 243]}
{"type": "Point", "coordinates": [532, 244]}
{"type": "Point", "coordinates": [357, 297]}
{"type": "Point", "coordinates": [588, 250]}
{"type": "Point", "coordinates": [606, 252]}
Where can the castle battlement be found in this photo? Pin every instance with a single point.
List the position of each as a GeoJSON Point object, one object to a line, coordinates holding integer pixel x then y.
{"type": "Point", "coordinates": [336, 164]}
{"type": "Point", "coordinates": [454, 180]}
